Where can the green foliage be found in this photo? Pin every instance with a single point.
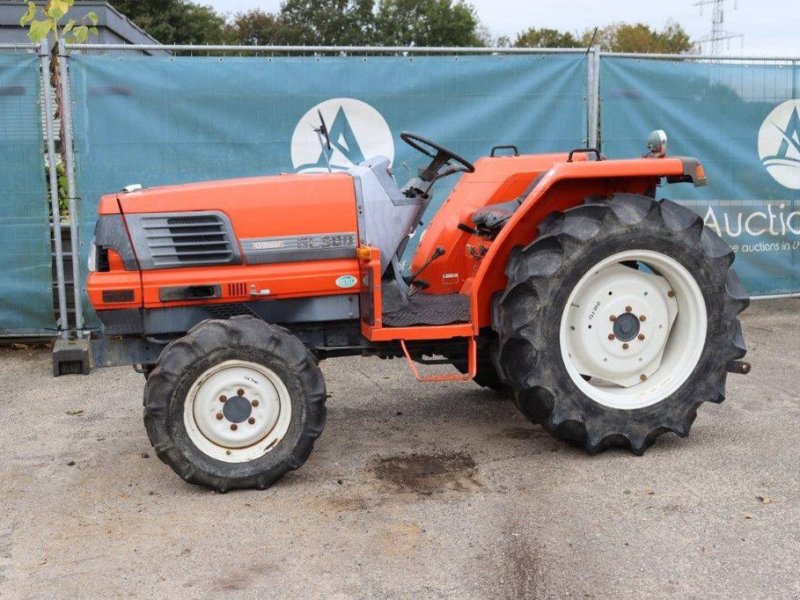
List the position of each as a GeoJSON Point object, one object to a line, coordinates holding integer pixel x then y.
{"type": "Point", "coordinates": [427, 23]}
{"type": "Point", "coordinates": [616, 37]}
{"type": "Point", "coordinates": [623, 37]}
{"type": "Point", "coordinates": [257, 27]}
{"type": "Point", "coordinates": [329, 22]}
{"type": "Point", "coordinates": [174, 21]}
{"type": "Point", "coordinates": [42, 21]}
{"type": "Point", "coordinates": [359, 23]}
{"type": "Point", "coordinates": [546, 38]}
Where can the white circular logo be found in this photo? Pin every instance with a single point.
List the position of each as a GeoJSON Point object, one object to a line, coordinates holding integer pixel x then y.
{"type": "Point", "coordinates": [357, 132]}
{"type": "Point", "coordinates": [779, 144]}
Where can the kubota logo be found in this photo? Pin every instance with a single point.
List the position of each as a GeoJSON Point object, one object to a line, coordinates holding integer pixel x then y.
{"type": "Point", "coordinates": [779, 144]}
{"type": "Point", "coordinates": [357, 131]}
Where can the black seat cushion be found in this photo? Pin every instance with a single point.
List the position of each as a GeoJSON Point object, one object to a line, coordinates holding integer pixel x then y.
{"type": "Point", "coordinates": [494, 216]}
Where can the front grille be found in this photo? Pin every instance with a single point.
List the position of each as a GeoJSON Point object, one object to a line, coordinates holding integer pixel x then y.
{"type": "Point", "coordinates": [187, 240]}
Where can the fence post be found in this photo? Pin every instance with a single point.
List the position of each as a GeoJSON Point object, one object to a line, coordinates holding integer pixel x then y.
{"type": "Point", "coordinates": [49, 133]}
{"type": "Point", "coordinates": [593, 97]}
{"type": "Point", "coordinates": [69, 166]}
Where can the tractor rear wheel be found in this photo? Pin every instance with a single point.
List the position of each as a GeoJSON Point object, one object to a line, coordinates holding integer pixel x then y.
{"type": "Point", "coordinates": [235, 403]}
{"type": "Point", "coordinates": [618, 321]}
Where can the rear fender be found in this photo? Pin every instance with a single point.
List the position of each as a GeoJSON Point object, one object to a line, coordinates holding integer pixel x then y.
{"type": "Point", "coordinates": [566, 185]}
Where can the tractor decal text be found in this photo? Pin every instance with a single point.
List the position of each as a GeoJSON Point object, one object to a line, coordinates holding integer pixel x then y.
{"type": "Point", "coordinates": [299, 247]}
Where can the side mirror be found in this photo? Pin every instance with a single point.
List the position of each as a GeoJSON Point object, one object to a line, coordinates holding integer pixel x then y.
{"type": "Point", "coordinates": [657, 144]}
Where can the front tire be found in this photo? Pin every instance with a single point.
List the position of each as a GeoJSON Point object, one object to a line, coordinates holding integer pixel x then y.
{"type": "Point", "coordinates": [618, 321]}
{"type": "Point", "coordinates": [235, 403]}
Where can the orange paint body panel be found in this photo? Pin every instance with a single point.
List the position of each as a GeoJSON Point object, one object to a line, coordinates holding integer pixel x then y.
{"type": "Point", "coordinates": [283, 280]}
{"type": "Point", "coordinates": [114, 281]}
{"type": "Point", "coordinates": [279, 205]}
{"type": "Point", "coordinates": [258, 207]}
{"type": "Point", "coordinates": [495, 180]}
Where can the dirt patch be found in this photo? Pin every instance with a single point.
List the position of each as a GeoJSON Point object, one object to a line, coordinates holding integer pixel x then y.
{"type": "Point", "coordinates": [428, 473]}
{"type": "Point", "coordinates": [520, 433]}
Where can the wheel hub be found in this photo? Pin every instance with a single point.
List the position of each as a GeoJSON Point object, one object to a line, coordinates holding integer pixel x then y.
{"type": "Point", "coordinates": [619, 324]}
{"type": "Point", "coordinates": [633, 329]}
{"type": "Point", "coordinates": [237, 409]}
{"type": "Point", "coordinates": [626, 327]}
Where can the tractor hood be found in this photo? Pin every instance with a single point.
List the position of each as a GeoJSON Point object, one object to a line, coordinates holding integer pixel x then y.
{"type": "Point", "coordinates": [265, 220]}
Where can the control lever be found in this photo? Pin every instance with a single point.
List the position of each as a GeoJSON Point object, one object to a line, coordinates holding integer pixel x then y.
{"type": "Point", "coordinates": [410, 279]}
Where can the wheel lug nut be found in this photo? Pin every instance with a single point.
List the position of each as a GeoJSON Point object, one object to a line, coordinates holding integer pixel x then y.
{"type": "Point", "coordinates": [223, 398]}
{"type": "Point", "coordinates": [611, 336]}
{"type": "Point", "coordinates": [642, 318]}
{"type": "Point", "coordinates": [251, 420]}
{"type": "Point", "coordinates": [254, 403]}
{"type": "Point", "coordinates": [219, 416]}
{"type": "Point", "coordinates": [628, 309]}
{"type": "Point", "coordinates": [625, 346]}
{"type": "Point", "coordinates": [641, 336]}
{"type": "Point", "coordinates": [234, 427]}
{"type": "Point", "coordinates": [240, 392]}
{"type": "Point", "coordinates": [612, 318]}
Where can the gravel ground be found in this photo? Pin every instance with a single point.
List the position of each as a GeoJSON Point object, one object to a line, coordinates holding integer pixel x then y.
{"type": "Point", "coordinates": [414, 490]}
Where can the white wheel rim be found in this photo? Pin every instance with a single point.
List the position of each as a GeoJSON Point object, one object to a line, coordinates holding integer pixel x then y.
{"type": "Point", "coordinates": [656, 344]}
{"type": "Point", "coordinates": [237, 411]}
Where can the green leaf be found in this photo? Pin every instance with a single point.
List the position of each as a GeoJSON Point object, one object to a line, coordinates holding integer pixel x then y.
{"type": "Point", "coordinates": [92, 16]}
{"type": "Point", "coordinates": [39, 30]}
{"type": "Point", "coordinates": [28, 16]}
{"type": "Point", "coordinates": [56, 9]}
{"type": "Point", "coordinates": [93, 31]}
{"type": "Point", "coordinates": [68, 27]}
{"type": "Point", "coordinates": [80, 33]}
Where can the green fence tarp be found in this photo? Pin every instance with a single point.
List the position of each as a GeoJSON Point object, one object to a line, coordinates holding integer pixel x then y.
{"type": "Point", "coordinates": [26, 293]}
{"type": "Point", "coordinates": [743, 122]}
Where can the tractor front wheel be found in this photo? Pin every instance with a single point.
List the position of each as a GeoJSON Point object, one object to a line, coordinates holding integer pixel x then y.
{"type": "Point", "coordinates": [235, 403]}
{"type": "Point", "coordinates": [618, 321]}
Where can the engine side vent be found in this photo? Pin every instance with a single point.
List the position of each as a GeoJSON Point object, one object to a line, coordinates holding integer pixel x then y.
{"type": "Point", "coordinates": [170, 240]}
{"type": "Point", "coordinates": [237, 289]}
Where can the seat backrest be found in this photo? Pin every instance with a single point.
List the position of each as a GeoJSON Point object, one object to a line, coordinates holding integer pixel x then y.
{"type": "Point", "coordinates": [385, 215]}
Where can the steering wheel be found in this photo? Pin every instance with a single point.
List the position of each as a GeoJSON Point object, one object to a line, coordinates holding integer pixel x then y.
{"type": "Point", "coordinates": [442, 156]}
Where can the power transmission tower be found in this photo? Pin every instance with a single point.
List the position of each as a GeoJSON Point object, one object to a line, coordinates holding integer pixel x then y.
{"type": "Point", "coordinates": [718, 34]}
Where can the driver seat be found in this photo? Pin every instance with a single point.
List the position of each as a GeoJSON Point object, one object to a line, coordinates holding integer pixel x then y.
{"type": "Point", "coordinates": [494, 216]}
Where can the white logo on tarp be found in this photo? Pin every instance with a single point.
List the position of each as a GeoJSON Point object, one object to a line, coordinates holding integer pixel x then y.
{"type": "Point", "coordinates": [357, 132]}
{"type": "Point", "coordinates": [779, 144]}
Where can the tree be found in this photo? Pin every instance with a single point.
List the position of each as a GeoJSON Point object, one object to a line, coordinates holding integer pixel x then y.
{"type": "Point", "coordinates": [546, 38]}
{"type": "Point", "coordinates": [257, 27]}
{"type": "Point", "coordinates": [623, 37]}
{"type": "Point", "coordinates": [328, 22]}
{"type": "Point", "coordinates": [175, 21]}
{"type": "Point", "coordinates": [360, 23]}
{"type": "Point", "coordinates": [427, 23]}
{"type": "Point", "coordinates": [45, 22]}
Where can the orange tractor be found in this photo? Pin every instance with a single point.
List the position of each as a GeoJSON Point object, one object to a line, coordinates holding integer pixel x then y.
{"type": "Point", "coordinates": [607, 315]}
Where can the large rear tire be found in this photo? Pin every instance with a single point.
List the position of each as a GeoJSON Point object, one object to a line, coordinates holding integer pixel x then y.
{"type": "Point", "coordinates": [618, 321]}
{"type": "Point", "coordinates": [235, 403]}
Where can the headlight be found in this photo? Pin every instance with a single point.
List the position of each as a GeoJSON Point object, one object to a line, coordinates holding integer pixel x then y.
{"type": "Point", "coordinates": [92, 262]}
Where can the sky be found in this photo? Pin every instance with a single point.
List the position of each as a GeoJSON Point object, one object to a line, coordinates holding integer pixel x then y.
{"type": "Point", "coordinates": [770, 27]}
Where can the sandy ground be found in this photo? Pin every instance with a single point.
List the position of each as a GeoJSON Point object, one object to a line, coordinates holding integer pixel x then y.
{"type": "Point", "coordinates": [414, 490]}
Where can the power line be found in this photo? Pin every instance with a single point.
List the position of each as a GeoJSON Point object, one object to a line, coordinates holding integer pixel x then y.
{"type": "Point", "coordinates": [714, 40]}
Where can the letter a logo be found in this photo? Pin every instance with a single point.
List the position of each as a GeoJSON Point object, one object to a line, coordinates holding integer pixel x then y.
{"type": "Point", "coordinates": [779, 144]}
{"type": "Point", "coordinates": [357, 132]}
